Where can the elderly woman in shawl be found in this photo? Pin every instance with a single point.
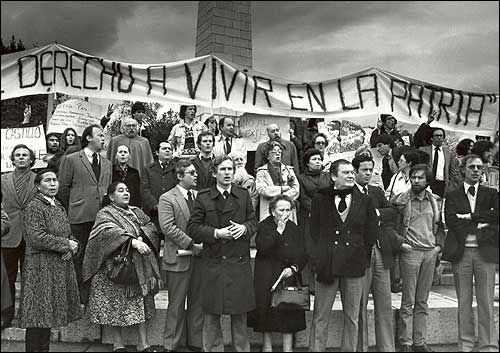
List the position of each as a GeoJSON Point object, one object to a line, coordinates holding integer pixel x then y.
{"type": "Point", "coordinates": [113, 304]}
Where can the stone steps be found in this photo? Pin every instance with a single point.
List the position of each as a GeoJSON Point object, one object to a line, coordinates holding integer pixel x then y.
{"type": "Point", "coordinates": [441, 324]}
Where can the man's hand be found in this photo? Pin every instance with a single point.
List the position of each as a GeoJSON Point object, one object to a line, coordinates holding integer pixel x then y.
{"type": "Point", "coordinates": [196, 249]}
{"type": "Point", "coordinates": [482, 225]}
{"type": "Point", "coordinates": [224, 233]}
{"type": "Point", "coordinates": [406, 247]}
{"type": "Point", "coordinates": [434, 115]}
{"type": "Point", "coordinates": [237, 230]}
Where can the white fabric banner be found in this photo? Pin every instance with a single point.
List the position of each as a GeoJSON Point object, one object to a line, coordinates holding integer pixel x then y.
{"type": "Point", "coordinates": [33, 137]}
{"type": "Point", "coordinates": [211, 82]}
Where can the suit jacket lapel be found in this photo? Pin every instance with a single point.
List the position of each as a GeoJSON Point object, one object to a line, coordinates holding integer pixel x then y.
{"type": "Point", "coordinates": [181, 201]}
{"type": "Point", "coordinates": [10, 184]}
{"type": "Point", "coordinates": [86, 163]}
{"type": "Point", "coordinates": [480, 197]}
{"type": "Point", "coordinates": [231, 205]}
{"type": "Point", "coordinates": [353, 209]}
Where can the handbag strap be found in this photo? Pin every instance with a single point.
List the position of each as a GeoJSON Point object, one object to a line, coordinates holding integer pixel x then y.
{"type": "Point", "coordinates": [297, 281]}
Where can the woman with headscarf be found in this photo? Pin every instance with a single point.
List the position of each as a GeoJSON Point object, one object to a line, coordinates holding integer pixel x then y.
{"type": "Point", "coordinates": [120, 305]}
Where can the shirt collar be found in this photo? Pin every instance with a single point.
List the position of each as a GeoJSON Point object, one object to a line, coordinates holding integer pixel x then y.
{"type": "Point", "coordinates": [221, 190]}
{"type": "Point", "coordinates": [183, 191]}
{"type": "Point", "coordinates": [426, 195]}
{"type": "Point", "coordinates": [361, 187]}
{"type": "Point", "coordinates": [467, 187]}
{"type": "Point", "coordinates": [51, 200]}
{"type": "Point", "coordinates": [89, 153]}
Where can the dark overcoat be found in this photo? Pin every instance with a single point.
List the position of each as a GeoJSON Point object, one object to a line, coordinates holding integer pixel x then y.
{"type": "Point", "coordinates": [341, 248]}
{"type": "Point", "coordinates": [227, 275]}
{"type": "Point", "coordinates": [486, 212]}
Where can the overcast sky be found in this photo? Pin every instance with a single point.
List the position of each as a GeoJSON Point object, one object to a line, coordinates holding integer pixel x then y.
{"type": "Point", "coordinates": [452, 44]}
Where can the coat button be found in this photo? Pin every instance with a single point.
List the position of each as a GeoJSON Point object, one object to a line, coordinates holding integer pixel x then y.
{"type": "Point", "coordinates": [348, 232]}
{"type": "Point", "coordinates": [286, 244]}
{"type": "Point", "coordinates": [223, 257]}
{"type": "Point", "coordinates": [347, 243]}
{"type": "Point", "coordinates": [336, 242]}
{"type": "Point", "coordinates": [337, 232]}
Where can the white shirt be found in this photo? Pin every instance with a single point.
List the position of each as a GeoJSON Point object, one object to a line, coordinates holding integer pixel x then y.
{"type": "Point", "coordinates": [348, 199]}
{"type": "Point", "coordinates": [50, 199]}
{"type": "Point", "coordinates": [221, 190]}
{"type": "Point", "coordinates": [184, 192]}
{"type": "Point", "coordinates": [472, 199]}
{"type": "Point", "coordinates": [89, 153]}
{"type": "Point", "coordinates": [398, 184]}
{"type": "Point", "coordinates": [440, 165]}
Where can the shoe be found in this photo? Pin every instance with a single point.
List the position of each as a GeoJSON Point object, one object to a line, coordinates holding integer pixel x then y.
{"type": "Point", "coordinates": [421, 348]}
{"type": "Point", "coordinates": [406, 348]}
{"type": "Point", "coordinates": [194, 348]}
{"type": "Point", "coordinates": [121, 349]}
{"type": "Point", "coordinates": [149, 349]}
{"type": "Point", "coordinates": [6, 324]}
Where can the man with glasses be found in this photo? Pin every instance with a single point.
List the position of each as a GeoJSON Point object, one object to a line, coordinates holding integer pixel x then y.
{"type": "Point", "coordinates": [442, 163]}
{"type": "Point", "coordinates": [320, 142]}
{"type": "Point", "coordinates": [138, 146]}
{"type": "Point", "coordinates": [182, 327]}
{"type": "Point", "coordinates": [472, 247]}
{"type": "Point", "coordinates": [289, 156]}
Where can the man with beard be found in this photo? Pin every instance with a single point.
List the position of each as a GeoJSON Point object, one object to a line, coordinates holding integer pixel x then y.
{"type": "Point", "coordinates": [138, 146]}
{"type": "Point", "coordinates": [419, 221]}
{"type": "Point", "coordinates": [289, 154]}
{"type": "Point", "coordinates": [343, 231]}
{"type": "Point", "coordinates": [52, 158]}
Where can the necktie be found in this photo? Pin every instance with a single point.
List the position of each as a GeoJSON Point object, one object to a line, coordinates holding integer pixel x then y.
{"type": "Point", "coordinates": [228, 145]}
{"type": "Point", "coordinates": [365, 190]}
{"type": "Point", "coordinates": [435, 162]}
{"type": "Point", "coordinates": [342, 203]}
{"type": "Point", "coordinates": [472, 191]}
{"type": "Point", "coordinates": [190, 201]}
{"type": "Point", "coordinates": [225, 194]}
{"type": "Point", "coordinates": [95, 166]}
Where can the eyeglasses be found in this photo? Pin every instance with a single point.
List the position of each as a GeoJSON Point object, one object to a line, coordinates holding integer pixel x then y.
{"type": "Point", "coordinates": [320, 143]}
{"type": "Point", "coordinates": [474, 167]}
{"type": "Point", "coordinates": [192, 172]}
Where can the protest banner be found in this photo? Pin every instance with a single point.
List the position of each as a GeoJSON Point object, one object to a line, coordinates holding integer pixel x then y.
{"type": "Point", "coordinates": [33, 137]}
{"type": "Point", "coordinates": [211, 82]}
{"type": "Point", "coordinates": [75, 113]}
{"type": "Point", "coordinates": [253, 129]}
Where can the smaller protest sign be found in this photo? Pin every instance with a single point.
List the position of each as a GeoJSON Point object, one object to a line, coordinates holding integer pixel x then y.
{"type": "Point", "coordinates": [76, 113]}
{"type": "Point", "coordinates": [33, 137]}
{"type": "Point", "coordinates": [253, 129]}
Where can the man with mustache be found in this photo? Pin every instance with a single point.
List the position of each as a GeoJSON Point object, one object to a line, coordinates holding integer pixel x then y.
{"type": "Point", "coordinates": [289, 155]}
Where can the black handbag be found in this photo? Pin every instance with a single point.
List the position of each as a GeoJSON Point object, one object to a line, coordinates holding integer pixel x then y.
{"type": "Point", "coordinates": [296, 297]}
{"type": "Point", "coordinates": [122, 270]}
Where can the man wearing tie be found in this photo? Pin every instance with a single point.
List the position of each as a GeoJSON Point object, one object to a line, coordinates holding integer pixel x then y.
{"type": "Point", "coordinates": [377, 275]}
{"type": "Point", "coordinates": [83, 179]}
{"type": "Point", "coordinates": [443, 163]}
{"type": "Point", "coordinates": [343, 229]}
{"type": "Point", "coordinates": [224, 219]}
{"type": "Point", "coordinates": [227, 141]}
{"type": "Point", "coordinates": [174, 209]}
{"type": "Point", "coordinates": [471, 212]}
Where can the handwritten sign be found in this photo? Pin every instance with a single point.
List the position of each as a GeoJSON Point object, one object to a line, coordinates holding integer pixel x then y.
{"type": "Point", "coordinates": [213, 83]}
{"type": "Point", "coordinates": [33, 137]}
{"type": "Point", "coordinates": [75, 113]}
{"type": "Point", "coordinates": [253, 129]}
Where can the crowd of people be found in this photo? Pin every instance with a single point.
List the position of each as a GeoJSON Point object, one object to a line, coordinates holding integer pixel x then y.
{"type": "Point", "coordinates": [378, 223]}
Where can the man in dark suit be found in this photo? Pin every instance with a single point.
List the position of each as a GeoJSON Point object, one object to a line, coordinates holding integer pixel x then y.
{"type": "Point", "coordinates": [343, 230]}
{"type": "Point", "coordinates": [201, 162]}
{"type": "Point", "coordinates": [471, 212]}
{"type": "Point", "coordinates": [174, 210]}
{"type": "Point", "coordinates": [377, 275]}
{"type": "Point", "coordinates": [158, 178]}
{"type": "Point", "coordinates": [224, 219]}
{"type": "Point", "coordinates": [18, 188]}
{"type": "Point", "coordinates": [83, 180]}
{"type": "Point", "coordinates": [442, 163]}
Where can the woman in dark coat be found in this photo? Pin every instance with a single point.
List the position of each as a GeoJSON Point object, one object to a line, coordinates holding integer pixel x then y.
{"type": "Point", "coordinates": [280, 250]}
{"type": "Point", "coordinates": [49, 290]}
{"type": "Point", "coordinates": [128, 175]}
{"type": "Point", "coordinates": [313, 179]}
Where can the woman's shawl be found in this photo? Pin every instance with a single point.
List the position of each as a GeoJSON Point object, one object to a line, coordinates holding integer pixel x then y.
{"type": "Point", "coordinates": [113, 226]}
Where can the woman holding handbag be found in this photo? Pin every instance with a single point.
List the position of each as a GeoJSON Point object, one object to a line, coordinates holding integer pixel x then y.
{"type": "Point", "coordinates": [122, 231]}
{"type": "Point", "coordinates": [280, 254]}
